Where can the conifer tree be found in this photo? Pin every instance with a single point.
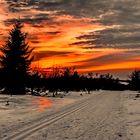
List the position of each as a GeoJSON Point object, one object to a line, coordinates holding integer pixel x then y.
{"type": "Point", "coordinates": [15, 60]}
{"type": "Point", "coordinates": [134, 80]}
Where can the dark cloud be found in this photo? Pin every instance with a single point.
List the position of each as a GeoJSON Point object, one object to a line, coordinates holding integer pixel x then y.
{"type": "Point", "coordinates": [21, 5]}
{"type": "Point", "coordinates": [45, 54]}
{"type": "Point", "coordinates": [122, 16]}
{"type": "Point", "coordinates": [109, 11]}
{"type": "Point", "coordinates": [34, 20]}
{"type": "Point", "coordinates": [53, 33]}
{"type": "Point", "coordinates": [119, 37]}
{"type": "Point", "coordinates": [106, 9]}
{"type": "Point", "coordinates": [35, 41]}
{"type": "Point", "coordinates": [108, 59]}
{"type": "Point", "coordinates": [122, 12]}
{"type": "Point", "coordinates": [72, 7]}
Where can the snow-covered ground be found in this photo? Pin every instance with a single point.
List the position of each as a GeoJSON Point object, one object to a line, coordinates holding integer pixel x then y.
{"type": "Point", "coordinates": [102, 115]}
{"type": "Point", "coordinates": [24, 109]}
{"type": "Point", "coordinates": [132, 106]}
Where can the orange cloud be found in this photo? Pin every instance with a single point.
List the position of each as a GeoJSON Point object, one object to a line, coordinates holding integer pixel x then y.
{"type": "Point", "coordinates": [57, 35]}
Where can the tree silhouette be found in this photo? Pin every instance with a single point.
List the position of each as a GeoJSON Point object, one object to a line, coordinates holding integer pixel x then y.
{"type": "Point", "coordinates": [15, 60]}
{"type": "Point", "coordinates": [134, 80]}
{"type": "Point", "coordinates": [34, 81]}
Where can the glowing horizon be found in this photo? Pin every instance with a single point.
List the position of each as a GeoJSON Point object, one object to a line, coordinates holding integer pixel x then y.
{"type": "Point", "coordinates": [87, 41]}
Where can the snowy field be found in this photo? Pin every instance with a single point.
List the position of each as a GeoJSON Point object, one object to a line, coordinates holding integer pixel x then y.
{"type": "Point", "coordinates": [101, 115]}
{"type": "Point", "coordinates": [132, 106]}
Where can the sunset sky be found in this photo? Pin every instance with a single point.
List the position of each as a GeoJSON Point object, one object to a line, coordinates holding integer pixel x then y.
{"type": "Point", "coordinates": [90, 35]}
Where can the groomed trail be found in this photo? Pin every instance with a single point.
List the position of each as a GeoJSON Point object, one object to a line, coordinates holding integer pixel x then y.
{"type": "Point", "coordinates": [95, 117]}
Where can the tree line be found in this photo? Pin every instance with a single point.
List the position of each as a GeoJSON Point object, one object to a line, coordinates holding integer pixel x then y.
{"type": "Point", "coordinates": [16, 73]}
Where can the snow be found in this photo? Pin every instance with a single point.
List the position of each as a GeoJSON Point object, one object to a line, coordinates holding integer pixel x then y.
{"type": "Point", "coordinates": [23, 109]}
{"type": "Point", "coordinates": [132, 105]}
{"type": "Point", "coordinates": [108, 115]}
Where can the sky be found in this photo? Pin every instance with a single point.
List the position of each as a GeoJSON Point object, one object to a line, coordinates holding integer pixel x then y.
{"type": "Point", "coordinates": [91, 35]}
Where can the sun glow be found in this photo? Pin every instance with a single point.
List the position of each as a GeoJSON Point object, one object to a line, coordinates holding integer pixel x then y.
{"type": "Point", "coordinates": [43, 103]}
{"type": "Point", "coordinates": [52, 37]}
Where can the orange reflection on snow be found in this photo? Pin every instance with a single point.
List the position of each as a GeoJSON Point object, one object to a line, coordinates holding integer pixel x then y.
{"type": "Point", "coordinates": [43, 103]}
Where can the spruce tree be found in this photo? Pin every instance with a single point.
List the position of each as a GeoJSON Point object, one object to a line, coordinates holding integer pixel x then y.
{"type": "Point", "coordinates": [15, 60]}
